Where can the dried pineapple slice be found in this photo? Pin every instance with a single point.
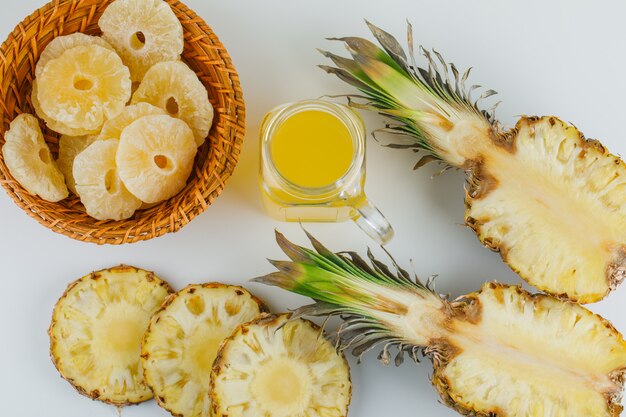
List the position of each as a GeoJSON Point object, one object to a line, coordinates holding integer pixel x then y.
{"type": "Point", "coordinates": [28, 158]}
{"type": "Point", "coordinates": [96, 331]}
{"type": "Point", "coordinates": [276, 367]}
{"type": "Point", "coordinates": [144, 32]}
{"type": "Point", "coordinates": [69, 148]}
{"type": "Point", "coordinates": [53, 124]}
{"type": "Point", "coordinates": [112, 129]}
{"type": "Point", "coordinates": [175, 88]}
{"type": "Point", "coordinates": [155, 157]}
{"type": "Point", "coordinates": [182, 341]}
{"type": "Point", "coordinates": [84, 87]}
{"type": "Point", "coordinates": [97, 183]}
{"type": "Point", "coordinates": [60, 44]}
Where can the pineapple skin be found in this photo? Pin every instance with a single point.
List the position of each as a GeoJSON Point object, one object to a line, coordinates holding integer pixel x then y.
{"type": "Point", "coordinates": [263, 308]}
{"type": "Point", "coordinates": [95, 394]}
{"type": "Point", "coordinates": [265, 320]}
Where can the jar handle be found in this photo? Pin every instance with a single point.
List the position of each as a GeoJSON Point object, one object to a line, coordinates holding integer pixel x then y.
{"type": "Point", "coordinates": [372, 221]}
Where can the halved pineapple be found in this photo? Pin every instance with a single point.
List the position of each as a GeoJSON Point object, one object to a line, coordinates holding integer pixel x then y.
{"type": "Point", "coordinates": [28, 159]}
{"type": "Point", "coordinates": [112, 129]}
{"type": "Point", "coordinates": [96, 331]}
{"type": "Point", "coordinates": [182, 341]}
{"type": "Point", "coordinates": [60, 44]}
{"type": "Point", "coordinates": [175, 88]}
{"type": "Point", "coordinates": [277, 367]}
{"type": "Point", "coordinates": [84, 87]}
{"type": "Point", "coordinates": [52, 124]}
{"type": "Point", "coordinates": [155, 157]}
{"type": "Point", "coordinates": [144, 32]}
{"type": "Point", "coordinates": [498, 352]}
{"type": "Point", "coordinates": [69, 148]}
{"type": "Point", "coordinates": [98, 184]}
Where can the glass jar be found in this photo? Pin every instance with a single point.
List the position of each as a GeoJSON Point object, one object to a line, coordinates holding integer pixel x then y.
{"type": "Point", "coordinates": [342, 200]}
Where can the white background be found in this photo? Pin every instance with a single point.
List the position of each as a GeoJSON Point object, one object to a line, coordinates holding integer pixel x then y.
{"type": "Point", "coordinates": [563, 58]}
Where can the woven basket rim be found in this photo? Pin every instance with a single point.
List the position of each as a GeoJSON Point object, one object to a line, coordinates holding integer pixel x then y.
{"type": "Point", "coordinates": [214, 164]}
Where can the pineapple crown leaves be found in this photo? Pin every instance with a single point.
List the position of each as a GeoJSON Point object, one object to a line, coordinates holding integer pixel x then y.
{"type": "Point", "coordinates": [393, 85]}
{"type": "Point", "coordinates": [344, 284]}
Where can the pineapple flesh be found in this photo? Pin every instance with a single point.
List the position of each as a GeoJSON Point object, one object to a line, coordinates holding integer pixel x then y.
{"type": "Point", "coordinates": [551, 202]}
{"type": "Point", "coordinates": [29, 160]}
{"type": "Point", "coordinates": [497, 352]}
{"type": "Point", "coordinates": [96, 332]}
{"type": "Point", "coordinates": [175, 88]}
{"type": "Point", "coordinates": [277, 367]}
{"type": "Point", "coordinates": [155, 157]}
{"type": "Point", "coordinates": [182, 341]}
{"type": "Point", "coordinates": [143, 32]}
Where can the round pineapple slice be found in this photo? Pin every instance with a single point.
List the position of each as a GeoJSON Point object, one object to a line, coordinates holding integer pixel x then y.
{"type": "Point", "coordinates": [84, 87]}
{"type": "Point", "coordinates": [28, 158]}
{"type": "Point", "coordinates": [60, 44]}
{"type": "Point", "coordinates": [277, 367]}
{"type": "Point", "coordinates": [144, 32]}
{"type": "Point", "coordinates": [182, 341]}
{"type": "Point", "coordinates": [53, 124]}
{"type": "Point", "coordinates": [175, 88]}
{"type": "Point", "coordinates": [155, 157]}
{"type": "Point", "coordinates": [69, 148]}
{"type": "Point", "coordinates": [96, 332]}
{"type": "Point", "coordinates": [97, 183]}
{"type": "Point", "coordinates": [112, 129]}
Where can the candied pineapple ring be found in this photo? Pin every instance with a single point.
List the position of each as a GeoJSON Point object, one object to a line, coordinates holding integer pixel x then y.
{"type": "Point", "coordinates": [112, 129]}
{"type": "Point", "coordinates": [155, 157]}
{"type": "Point", "coordinates": [60, 44]}
{"type": "Point", "coordinates": [84, 87]}
{"type": "Point", "coordinates": [28, 158]}
{"type": "Point", "coordinates": [99, 186]}
{"type": "Point", "coordinates": [69, 148]}
{"type": "Point", "coordinates": [53, 124]}
{"type": "Point", "coordinates": [143, 32]}
{"type": "Point", "coordinates": [183, 339]}
{"type": "Point", "coordinates": [96, 331]}
{"type": "Point", "coordinates": [175, 88]}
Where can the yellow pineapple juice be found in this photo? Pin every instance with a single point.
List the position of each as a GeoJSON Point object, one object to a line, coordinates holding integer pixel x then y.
{"type": "Point", "coordinates": [313, 166]}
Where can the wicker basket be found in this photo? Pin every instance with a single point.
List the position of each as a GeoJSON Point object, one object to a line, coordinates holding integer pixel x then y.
{"type": "Point", "coordinates": [214, 163]}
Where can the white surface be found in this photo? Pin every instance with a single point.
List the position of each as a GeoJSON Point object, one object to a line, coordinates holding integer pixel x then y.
{"type": "Point", "coordinates": [562, 58]}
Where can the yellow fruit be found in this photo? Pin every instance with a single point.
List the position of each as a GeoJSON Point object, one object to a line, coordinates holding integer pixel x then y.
{"type": "Point", "coordinates": [276, 367]}
{"type": "Point", "coordinates": [53, 124]}
{"type": "Point", "coordinates": [144, 32]}
{"type": "Point", "coordinates": [97, 183]}
{"type": "Point", "coordinates": [175, 88]}
{"type": "Point", "coordinates": [69, 147]}
{"type": "Point", "coordinates": [155, 157]}
{"type": "Point", "coordinates": [60, 44]}
{"type": "Point", "coordinates": [182, 341]}
{"type": "Point", "coordinates": [84, 87]}
{"type": "Point", "coordinates": [96, 331]}
{"type": "Point", "coordinates": [112, 129]}
{"type": "Point", "coordinates": [28, 158]}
